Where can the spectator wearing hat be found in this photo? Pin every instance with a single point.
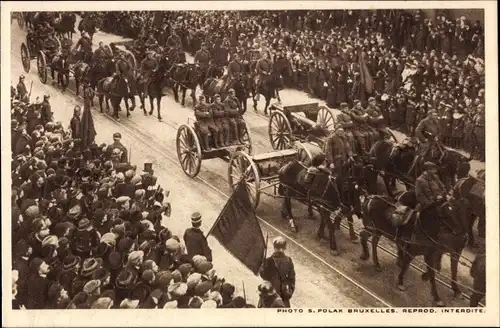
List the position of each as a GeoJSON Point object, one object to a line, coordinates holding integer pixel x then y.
{"type": "Point", "coordinates": [195, 241]}
{"type": "Point", "coordinates": [38, 284]}
{"type": "Point", "coordinates": [84, 238]}
{"type": "Point", "coordinates": [22, 91]}
{"type": "Point", "coordinates": [75, 123]}
{"type": "Point", "coordinates": [479, 133]}
{"type": "Point", "coordinates": [46, 110]}
{"type": "Point", "coordinates": [58, 297]}
{"type": "Point", "coordinates": [93, 289]}
{"type": "Point", "coordinates": [117, 144]}
{"type": "Point", "coordinates": [17, 304]}
{"type": "Point", "coordinates": [279, 270]}
{"type": "Point", "coordinates": [89, 266]}
{"type": "Point", "coordinates": [268, 297]}
{"type": "Point", "coordinates": [125, 284]}
{"type": "Point", "coordinates": [71, 267]}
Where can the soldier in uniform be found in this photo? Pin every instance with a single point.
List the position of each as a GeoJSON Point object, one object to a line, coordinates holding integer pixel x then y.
{"type": "Point", "coordinates": [234, 69]}
{"type": "Point", "coordinates": [150, 42]}
{"type": "Point", "coordinates": [46, 110]}
{"type": "Point", "coordinates": [478, 133]}
{"type": "Point", "coordinates": [205, 123]}
{"type": "Point", "coordinates": [117, 144]}
{"type": "Point", "coordinates": [22, 92]}
{"type": "Point", "coordinates": [84, 45]}
{"type": "Point", "coordinates": [445, 129]}
{"type": "Point", "coordinates": [88, 94]}
{"type": "Point", "coordinates": [202, 58]}
{"type": "Point", "coordinates": [221, 120]}
{"type": "Point", "coordinates": [149, 65]}
{"type": "Point", "coordinates": [427, 131]}
{"type": "Point", "coordinates": [338, 150]}
{"type": "Point", "coordinates": [360, 118]}
{"type": "Point", "coordinates": [263, 68]}
{"type": "Point", "coordinates": [345, 122]}
{"type": "Point", "coordinates": [458, 128]}
{"type": "Point", "coordinates": [233, 112]}
{"type": "Point", "coordinates": [376, 121]}
{"type": "Point", "coordinates": [174, 41]}
{"type": "Point", "coordinates": [100, 53]}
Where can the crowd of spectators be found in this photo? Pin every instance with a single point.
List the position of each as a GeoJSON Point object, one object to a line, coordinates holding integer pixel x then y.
{"type": "Point", "coordinates": [415, 63]}
{"type": "Point", "coordinates": [89, 229]}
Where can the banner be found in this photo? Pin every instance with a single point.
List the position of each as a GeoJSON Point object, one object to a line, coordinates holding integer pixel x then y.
{"type": "Point", "coordinates": [238, 230]}
{"type": "Point", "coordinates": [88, 128]}
{"type": "Point", "coordinates": [366, 78]}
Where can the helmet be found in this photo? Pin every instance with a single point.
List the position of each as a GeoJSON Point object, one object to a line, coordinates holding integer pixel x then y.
{"type": "Point", "coordinates": [279, 242]}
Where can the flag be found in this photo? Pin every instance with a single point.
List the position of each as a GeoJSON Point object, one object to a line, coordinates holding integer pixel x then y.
{"type": "Point", "coordinates": [238, 230]}
{"type": "Point", "coordinates": [88, 129]}
{"type": "Point", "coordinates": [366, 78]}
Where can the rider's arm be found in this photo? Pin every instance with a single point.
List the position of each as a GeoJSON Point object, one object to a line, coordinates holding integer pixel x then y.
{"type": "Point", "coordinates": [419, 132]}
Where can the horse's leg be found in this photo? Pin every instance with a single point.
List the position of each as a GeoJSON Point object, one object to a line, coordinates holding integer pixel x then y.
{"type": "Point", "coordinates": [193, 96]}
{"type": "Point", "coordinates": [127, 106]}
{"type": "Point", "coordinates": [278, 95]}
{"type": "Point", "coordinates": [268, 100]}
{"type": "Point", "coordinates": [183, 99]}
{"type": "Point", "coordinates": [407, 257]}
{"type": "Point", "coordinates": [254, 100]}
{"type": "Point", "coordinates": [331, 234]}
{"type": "Point", "coordinates": [454, 258]}
{"type": "Point", "coordinates": [352, 234]}
{"type": "Point", "coordinates": [77, 86]}
{"type": "Point", "coordinates": [151, 104]}
{"type": "Point", "coordinates": [101, 96]}
{"type": "Point", "coordinates": [387, 185]}
{"type": "Point", "coordinates": [158, 104]}
{"type": "Point", "coordinates": [365, 234]}
{"type": "Point", "coordinates": [375, 240]}
{"type": "Point", "coordinates": [176, 93]}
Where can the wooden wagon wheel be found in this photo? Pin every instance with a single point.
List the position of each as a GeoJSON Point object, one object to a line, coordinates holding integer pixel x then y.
{"type": "Point", "coordinates": [188, 150]}
{"type": "Point", "coordinates": [306, 151]}
{"type": "Point", "coordinates": [243, 168]}
{"type": "Point", "coordinates": [108, 50]}
{"type": "Point", "coordinates": [25, 57]}
{"type": "Point", "coordinates": [129, 57]}
{"type": "Point", "coordinates": [246, 139]}
{"type": "Point", "coordinates": [280, 131]}
{"type": "Point", "coordinates": [326, 118]}
{"type": "Point", "coordinates": [41, 63]}
{"type": "Point", "coordinates": [59, 45]}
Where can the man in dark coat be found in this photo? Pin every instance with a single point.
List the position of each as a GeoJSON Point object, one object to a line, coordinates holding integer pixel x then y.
{"type": "Point", "coordinates": [38, 285]}
{"type": "Point", "coordinates": [196, 243]}
{"type": "Point", "coordinates": [46, 110]}
{"type": "Point", "coordinates": [75, 123]}
{"type": "Point", "coordinates": [22, 91]}
{"type": "Point", "coordinates": [117, 144]}
{"type": "Point", "coordinates": [278, 269]}
{"type": "Point", "coordinates": [426, 131]}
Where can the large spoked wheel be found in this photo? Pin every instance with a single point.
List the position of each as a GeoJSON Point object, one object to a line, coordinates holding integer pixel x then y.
{"type": "Point", "coordinates": [247, 141]}
{"type": "Point", "coordinates": [326, 118]}
{"type": "Point", "coordinates": [243, 169]}
{"type": "Point", "coordinates": [108, 50]}
{"type": "Point", "coordinates": [305, 155]}
{"type": "Point", "coordinates": [41, 63]}
{"type": "Point", "coordinates": [25, 57]}
{"type": "Point", "coordinates": [130, 58]}
{"type": "Point", "coordinates": [280, 131]}
{"type": "Point", "coordinates": [188, 150]}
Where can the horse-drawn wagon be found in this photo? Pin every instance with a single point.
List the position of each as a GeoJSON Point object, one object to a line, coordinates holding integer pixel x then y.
{"type": "Point", "coordinates": [303, 122]}
{"type": "Point", "coordinates": [41, 50]}
{"type": "Point", "coordinates": [190, 151]}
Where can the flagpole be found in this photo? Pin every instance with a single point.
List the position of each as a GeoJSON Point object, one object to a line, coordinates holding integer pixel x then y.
{"type": "Point", "coordinates": [244, 292]}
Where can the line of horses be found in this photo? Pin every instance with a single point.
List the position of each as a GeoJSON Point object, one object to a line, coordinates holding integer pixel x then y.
{"type": "Point", "coordinates": [356, 192]}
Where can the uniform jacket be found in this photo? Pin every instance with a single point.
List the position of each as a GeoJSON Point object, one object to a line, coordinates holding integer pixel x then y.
{"type": "Point", "coordinates": [118, 144]}
{"type": "Point", "coordinates": [427, 125]}
{"type": "Point", "coordinates": [428, 188]}
{"type": "Point", "coordinates": [148, 65]}
{"type": "Point", "coordinates": [337, 149]}
{"type": "Point", "coordinates": [196, 243]}
{"type": "Point", "coordinates": [278, 269]}
{"type": "Point", "coordinates": [75, 125]}
{"type": "Point", "coordinates": [85, 44]}
{"type": "Point", "coordinates": [203, 56]}
{"type": "Point", "coordinates": [233, 68]}
{"type": "Point", "coordinates": [21, 90]}
{"type": "Point", "coordinates": [264, 66]}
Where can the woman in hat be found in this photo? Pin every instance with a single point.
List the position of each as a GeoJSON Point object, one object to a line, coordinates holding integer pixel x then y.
{"type": "Point", "coordinates": [89, 266]}
{"type": "Point", "coordinates": [85, 238]}
{"type": "Point", "coordinates": [71, 267]}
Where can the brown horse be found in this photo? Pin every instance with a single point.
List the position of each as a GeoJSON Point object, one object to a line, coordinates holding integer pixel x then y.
{"type": "Point", "coordinates": [116, 89]}
{"type": "Point", "coordinates": [414, 235]}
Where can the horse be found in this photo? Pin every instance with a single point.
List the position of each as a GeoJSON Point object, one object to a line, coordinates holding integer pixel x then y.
{"type": "Point", "coordinates": [114, 88]}
{"type": "Point", "coordinates": [64, 26]}
{"type": "Point", "coordinates": [185, 76]}
{"type": "Point", "coordinates": [60, 65]}
{"type": "Point", "coordinates": [269, 88]}
{"type": "Point", "coordinates": [97, 70]}
{"type": "Point", "coordinates": [330, 194]}
{"type": "Point", "coordinates": [469, 193]}
{"type": "Point", "coordinates": [414, 234]}
{"type": "Point", "coordinates": [213, 86]}
{"type": "Point", "coordinates": [153, 87]}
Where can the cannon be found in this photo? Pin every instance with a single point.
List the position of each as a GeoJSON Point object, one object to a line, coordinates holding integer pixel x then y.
{"type": "Point", "coordinates": [190, 152]}
{"type": "Point", "coordinates": [304, 122]}
{"type": "Point", "coordinates": [32, 49]}
{"type": "Point", "coordinates": [261, 172]}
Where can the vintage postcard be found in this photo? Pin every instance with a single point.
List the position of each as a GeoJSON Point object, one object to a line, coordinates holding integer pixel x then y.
{"type": "Point", "coordinates": [259, 163]}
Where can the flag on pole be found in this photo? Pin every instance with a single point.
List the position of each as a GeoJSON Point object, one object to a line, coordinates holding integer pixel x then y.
{"type": "Point", "coordinates": [238, 230]}
{"type": "Point", "coordinates": [88, 128]}
{"type": "Point", "coordinates": [366, 77]}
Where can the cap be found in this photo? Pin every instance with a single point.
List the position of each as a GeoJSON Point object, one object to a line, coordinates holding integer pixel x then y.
{"type": "Point", "coordinates": [279, 242]}
{"type": "Point", "coordinates": [430, 166]}
{"type": "Point", "coordinates": [196, 218]}
{"type": "Point", "coordinates": [117, 135]}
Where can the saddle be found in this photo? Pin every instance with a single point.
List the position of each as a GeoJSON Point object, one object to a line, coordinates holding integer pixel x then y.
{"type": "Point", "coordinates": [400, 215]}
{"type": "Point", "coordinates": [106, 85]}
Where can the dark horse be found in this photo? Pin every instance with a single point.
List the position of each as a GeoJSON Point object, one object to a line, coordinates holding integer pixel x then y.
{"type": "Point", "coordinates": [269, 88]}
{"type": "Point", "coordinates": [404, 163]}
{"type": "Point", "coordinates": [60, 65]}
{"type": "Point", "coordinates": [153, 87]}
{"type": "Point", "coordinates": [469, 193]}
{"type": "Point", "coordinates": [338, 195]}
{"type": "Point", "coordinates": [114, 88]}
{"type": "Point", "coordinates": [185, 76]}
{"type": "Point", "coordinates": [93, 73]}
{"type": "Point", "coordinates": [213, 86]}
{"type": "Point", "coordinates": [427, 235]}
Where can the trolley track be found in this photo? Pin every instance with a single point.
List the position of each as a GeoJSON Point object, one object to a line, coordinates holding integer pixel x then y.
{"type": "Point", "coordinates": [148, 140]}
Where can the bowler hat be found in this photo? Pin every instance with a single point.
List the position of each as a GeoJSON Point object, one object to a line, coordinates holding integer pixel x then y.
{"type": "Point", "coordinates": [126, 278]}
{"type": "Point", "coordinates": [84, 224]}
{"type": "Point", "coordinates": [90, 265]}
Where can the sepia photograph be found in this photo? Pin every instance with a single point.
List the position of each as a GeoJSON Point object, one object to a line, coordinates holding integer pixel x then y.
{"type": "Point", "coordinates": [323, 163]}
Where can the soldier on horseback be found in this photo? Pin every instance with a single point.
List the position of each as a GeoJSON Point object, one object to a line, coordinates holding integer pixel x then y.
{"type": "Point", "coordinates": [234, 69]}
{"type": "Point", "coordinates": [221, 120]}
{"type": "Point", "coordinates": [150, 42]}
{"type": "Point", "coordinates": [233, 112]}
{"type": "Point", "coordinates": [174, 41]}
{"type": "Point", "coordinates": [202, 58]}
{"type": "Point", "coordinates": [376, 121]}
{"type": "Point", "coordinates": [205, 123]}
{"type": "Point", "coordinates": [478, 133]}
{"type": "Point", "coordinates": [427, 132]}
{"type": "Point", "coordinates": [100, 53]}
{"type": "Point", "coordinates": [149, 66]}
{"type": "Point", "coordinates": [263, 68]}
{"type": "Point", "coordinates": [338, 151]}
{"type": "Point", "coordinates": [345, 122]}
{"type": "Point", "coordinates": [360, 119]}
{"type": "Point", "coordinates": [84, 45]}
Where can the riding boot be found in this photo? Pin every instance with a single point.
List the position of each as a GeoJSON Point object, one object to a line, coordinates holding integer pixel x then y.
{"type": "Point", "coordinates": [216, 138]}
{"type": "Point", "coordinates": [221, 139]}
{"type": "Point", "coordinates": [227, 141]}
{"type": "Point", "coordinates": [237, 135]}
{"type": "Point", "coordinates": [206, 142]}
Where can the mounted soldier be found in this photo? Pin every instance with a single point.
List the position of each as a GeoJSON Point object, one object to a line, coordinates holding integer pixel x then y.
{"type": "Point", "coordinates": [345, 122]}
{"type": "Point", "coordinates": [84, 46]}
{"type": "Point", "coordinates": [221, 120]}
{"type": "Point", "coordinates": [205, 123]}
{"type": "Point", "coordinates": [263, 68]}
{"type": "Point", "coordinates": [478, 133]}
{"type": "Point", "coordinates": [202, 58]}
{"type": "Point", "coordinates": [101, 54]}
{"type": "Point", "coordinates": [234, 69]}
{"type": "Point", "coordinates": [149, 66]}
{"type": "Point", "coordinates": [338, 151]}
{"type": "Point", "coordinates": [233, 112]}
{"type": "Point", "coordinates": [174, 41]}
{"type": "Point", "coordinates": [376, 121]}
{"type": "Point", "coordinates": [427, 132]}
{"type": "Point", "coordinates": [151, 43]}
{"type": "Point", "coordinates": [360, 119]}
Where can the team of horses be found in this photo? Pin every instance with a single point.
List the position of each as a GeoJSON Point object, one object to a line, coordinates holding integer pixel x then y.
{"type": "Point", "coordinates": [394, 214]}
